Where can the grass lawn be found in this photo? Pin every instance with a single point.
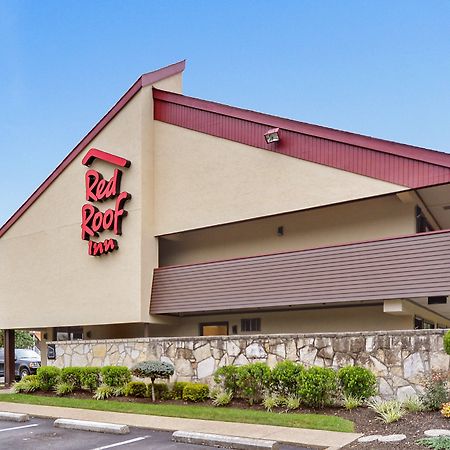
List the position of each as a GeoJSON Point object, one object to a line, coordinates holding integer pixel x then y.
{"type": "Point", "coordinates": [296, 420]}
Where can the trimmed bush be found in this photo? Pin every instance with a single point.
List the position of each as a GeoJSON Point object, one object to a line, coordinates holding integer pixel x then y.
{"type": "Point", "coordinates": [115, 376]}
{"type": "Point", "coordinates": [161, 391]}
{"type": "Point", "coordinates": [318, 386]}
{"type": "Point", "coordinates": [90, 378]}
{"type": "Point", "coordinates": [177, 389]}
{"type": "Point", "coordinates": [447, 342]}
{"type": "Point", "coordinates": [195, 392]}
{"type": "Point", "coordinates": [253, 380]}
{"type": "Point", "coordinates": [72, 375]}
{"type": "Point", "coordinates": [135, 389]}
{"type": "Point", "coordinates": [227, 378]}
{"type": "Point", "coordinates": [357, 382]}
{"type": "Point", "coordinates": [153, 370]}
{"type": "Point", "coordinates": [47, 377]}
{"type": "Point", "coordinates": [285, 378]}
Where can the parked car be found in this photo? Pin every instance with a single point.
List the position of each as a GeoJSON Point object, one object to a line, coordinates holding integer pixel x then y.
{"type": "Point", "coordinates": [27, 362]}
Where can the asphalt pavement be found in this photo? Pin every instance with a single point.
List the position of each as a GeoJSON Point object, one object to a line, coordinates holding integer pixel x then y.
{"type": "Point", "coordinates": [40, 434]}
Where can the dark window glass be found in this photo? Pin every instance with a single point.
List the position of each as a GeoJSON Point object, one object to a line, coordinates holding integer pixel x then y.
{"type": "Point", "coordinates": [250, 325]}
{"type": "Point", "coordinates": [422, 324]}
{"type": "Point", "coordinates": [69, 334]}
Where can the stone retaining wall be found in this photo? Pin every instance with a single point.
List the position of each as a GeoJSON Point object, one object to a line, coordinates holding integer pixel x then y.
{"type": "Point", "coordinates": [398, 358]}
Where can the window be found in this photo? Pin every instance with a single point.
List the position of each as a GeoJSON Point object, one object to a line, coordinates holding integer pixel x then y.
{"type": "Point", "coordinates": [422, 324]}
{"type": "Point", "coordinates": [69, 334]}
{"type": "Point", "coordinates": [250, 325]}
{"type": "Point", "coordinates": [214, 329]}
{"type": "Point", "coordinates": [422, 224]}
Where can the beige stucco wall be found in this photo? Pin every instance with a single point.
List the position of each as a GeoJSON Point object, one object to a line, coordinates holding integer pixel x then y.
{"type": "Point", "coordinates": [202, 180]}
{"type": "Point", "coordinates": [332, 319]}
{"type": "Point", "coordinates": [357, 221]}
{"type": "Point", "coordinates": [47, 277]}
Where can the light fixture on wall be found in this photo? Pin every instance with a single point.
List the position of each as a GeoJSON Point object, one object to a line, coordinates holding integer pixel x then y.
{"type": "Point", "coordinates": [272, 135]}
{"type": "Point", "coordinates": [280, 231]}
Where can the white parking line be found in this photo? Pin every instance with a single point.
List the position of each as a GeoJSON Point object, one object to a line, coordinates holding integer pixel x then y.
{"type": "Point", "coordinates": [19, 428]}
{"type": "Point", "coordinates": [118, 444]}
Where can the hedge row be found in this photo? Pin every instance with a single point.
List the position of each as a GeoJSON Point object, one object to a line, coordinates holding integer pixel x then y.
{"type": "Point", "coordinates": [315, 386]}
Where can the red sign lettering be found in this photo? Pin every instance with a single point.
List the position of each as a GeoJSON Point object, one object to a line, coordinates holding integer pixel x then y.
{"type": "Point", "coordinates": [94, 221]}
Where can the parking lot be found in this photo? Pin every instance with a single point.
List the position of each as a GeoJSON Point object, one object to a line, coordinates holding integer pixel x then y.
{"type": "Point", "coordinates": [40, 434]}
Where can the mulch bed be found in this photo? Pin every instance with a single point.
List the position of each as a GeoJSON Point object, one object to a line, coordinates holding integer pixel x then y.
{"type": "Point", "coordinates": [366, 421]}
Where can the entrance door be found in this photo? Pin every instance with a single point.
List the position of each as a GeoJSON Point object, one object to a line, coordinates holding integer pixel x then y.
{"type": "Point", "coordinates": [214, 329]}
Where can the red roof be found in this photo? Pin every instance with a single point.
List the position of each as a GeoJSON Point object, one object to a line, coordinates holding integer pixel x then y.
{"type": "Point", "coordinates": [397, 163]}
{"type": "Point", "coordinates": [401, 164]}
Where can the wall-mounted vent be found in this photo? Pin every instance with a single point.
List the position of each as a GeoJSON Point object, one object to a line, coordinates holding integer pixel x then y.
{"type": "Point", "coordinates": [437, 300]}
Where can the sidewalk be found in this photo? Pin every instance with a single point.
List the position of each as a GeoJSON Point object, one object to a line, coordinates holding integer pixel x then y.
{"type": "Point", "coordinates": [314, 438]}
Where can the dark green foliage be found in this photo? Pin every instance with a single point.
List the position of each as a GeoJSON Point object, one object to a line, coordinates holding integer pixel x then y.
{"type": "Point", "coordinates": [116, 376]}
{"type": "Point", "coordinates": [177, 389]}
{"type": "Point", "coordinates": [436, 390]}
{"type": "Point", "coordinates": [153, 370]}
{"type": "Point", "coordinates": [447, 342]}
{"type": "Point", "coordinates": [90, 378]}
{"type": "Point", "coordinates": [161, 391]}
{"type": "Point", "coordinates": [318, 386]}
{"type": "Point", "coordinates": [135, 389]}
{"type": "Point", "coordinates": [285, 378]}
{"type": "Point", "coordinates": [195, 392]}
{"type": "Point", "coordinates": [253, 380]}
{"type": "Point", "coordinates": [357, 382]}
{"type": "Point", "coordinates": [227, 378]}
{"type": "Point", "coordinates": [23, 339]}
{"type": "Point", "coordinates": [48, 376]}
{"type": "Point", "coordinates": [72, 375]}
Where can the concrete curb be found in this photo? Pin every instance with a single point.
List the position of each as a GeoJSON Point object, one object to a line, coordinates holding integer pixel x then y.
{"type": "Point", "coordinates": [14, 417]}
{"type": "Point", "coordinates": [87, 425]}
{"type": "Point", "coordinates": [218, 440]}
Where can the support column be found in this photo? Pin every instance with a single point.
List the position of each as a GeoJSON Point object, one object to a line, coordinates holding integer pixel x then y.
{"type": "Point", "coordinates": [10, 360]}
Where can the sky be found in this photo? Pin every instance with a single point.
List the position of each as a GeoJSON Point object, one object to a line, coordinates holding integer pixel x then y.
{"type": "Point", "coordinates": [380, 68]}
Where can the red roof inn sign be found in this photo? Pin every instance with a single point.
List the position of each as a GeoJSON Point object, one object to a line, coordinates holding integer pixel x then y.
{"type": "Point", "coordinates": [94, 221]}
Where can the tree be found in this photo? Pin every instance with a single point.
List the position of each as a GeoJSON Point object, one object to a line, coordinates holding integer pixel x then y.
{"type": "Point", "coordinates": [153, 370]}
{"type": "Point", "coordinates": [24, 339]}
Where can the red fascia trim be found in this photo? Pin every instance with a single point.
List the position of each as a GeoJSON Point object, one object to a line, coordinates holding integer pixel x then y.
{"type": "Point", "coordinates": [345, 244]}
{"type": "Point", "coordinates": [94, 153]}
{"type": "Point", "coordinates": [346, 137]}
{"type": "Point", "coordinates": [142, 81]}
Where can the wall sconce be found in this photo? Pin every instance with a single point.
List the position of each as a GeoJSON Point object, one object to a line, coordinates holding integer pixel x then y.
{"type": "Point", "coordinates": [88, 334]}
{"type": "Point", "coordinates": [280, 231]}
{"type": "Point", "coordinates": [272, 135]}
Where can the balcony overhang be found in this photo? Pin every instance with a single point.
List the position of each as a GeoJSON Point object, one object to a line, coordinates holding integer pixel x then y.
{"type": "Point", "coordinates": [406, 267]}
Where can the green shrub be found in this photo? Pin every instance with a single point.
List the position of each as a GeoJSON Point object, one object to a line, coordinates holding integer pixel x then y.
{"type": "Point", "coordinates": [135, 389]}
{"type": "Point", "coordinates": [195, 392]}
{"type": "Point", "coordinates": [177, 389]}
{"type": "Point", "coordinates": [64, 388]}
{"type": "Point", "coordinates": [357, 382]}
{"type": "Point", "coordinates": [253, 380]}
{"type": "Point", "coordinates": [227, 378]}
{"type": "Point", "coordinates": [435, 390]}
{"type": "Point", "coordinates": [48, 376]}
{"type": "Point", "coordinates": [161, 391]}
{"type": "Point", "coordinates": [116, 376]}
{"type": "Point", "coordinates": [103, 392]}
{"type": "Point", "coordinates": [28, 384]}
{"type": "Point", "coordinates": [447, 342]}
{"type": "Point", "coordinates": [285, 378]}
{"type": "Point", "coordinates": [71, 375]}
{"type": "Point", "coordinates": [318, 386]}
{"type": "Point", "coordinates": [90, 378]}
{"type": "Point", "coordinates": [222, 398]}
{"type": "Point", "coordinates": [153, 370]}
